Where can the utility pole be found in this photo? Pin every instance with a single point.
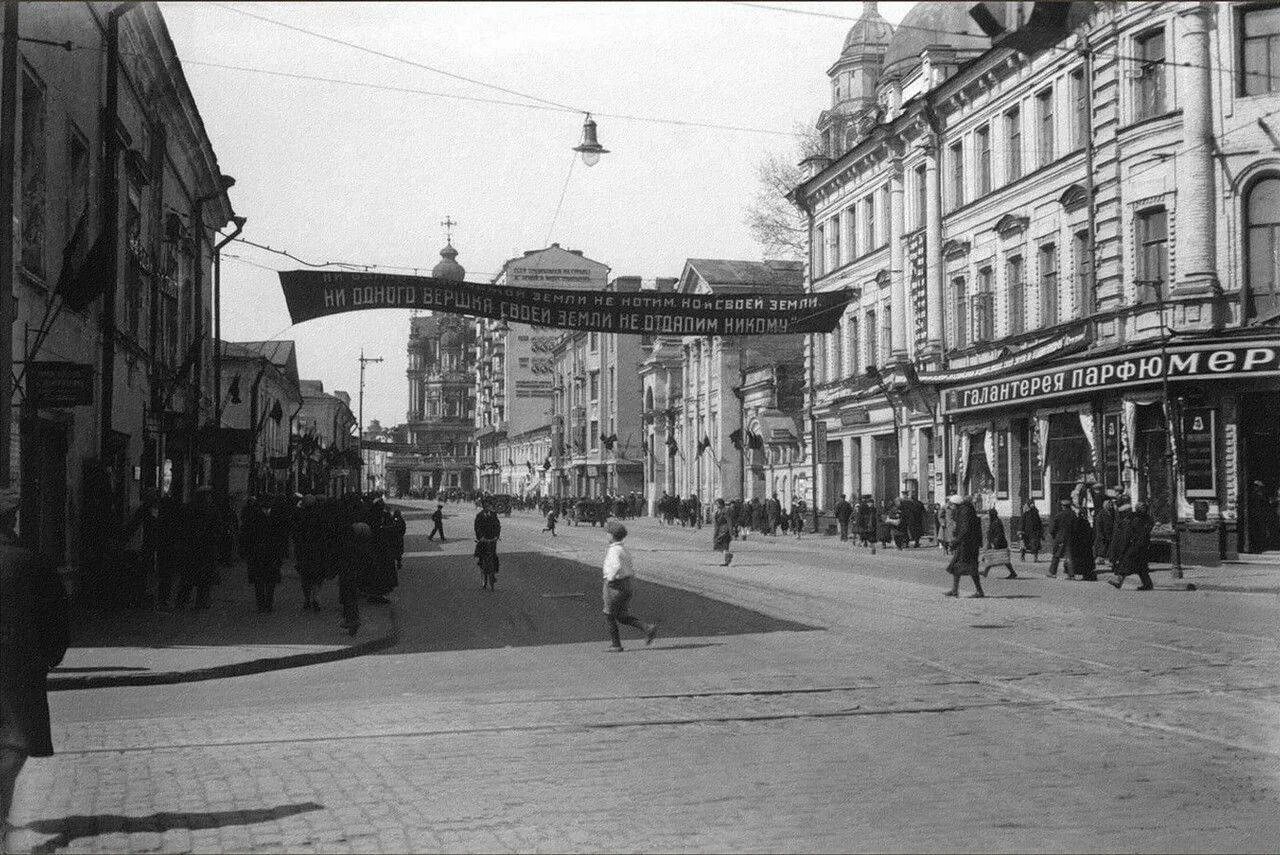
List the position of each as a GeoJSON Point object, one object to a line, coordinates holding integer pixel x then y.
{"type": "Point", "coordinates": [364, 360]}
{"type": "Point", "coordinates": [1172, 425]}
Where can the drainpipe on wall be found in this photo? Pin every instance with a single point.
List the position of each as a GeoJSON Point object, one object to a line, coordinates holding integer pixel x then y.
{"type": "Point", "coordinates": [8, 121]}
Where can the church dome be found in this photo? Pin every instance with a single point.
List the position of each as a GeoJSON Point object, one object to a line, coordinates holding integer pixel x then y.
{"type": "Point", "coordinates": [870, 31]}
{"type": "Point", "coordinates": [448, 267]}
{"type": "Point", "coordinates": [932, 24]}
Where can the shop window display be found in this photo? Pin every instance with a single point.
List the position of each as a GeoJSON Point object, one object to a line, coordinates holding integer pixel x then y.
{"type": "Point", "coordinates": [1069, 457]}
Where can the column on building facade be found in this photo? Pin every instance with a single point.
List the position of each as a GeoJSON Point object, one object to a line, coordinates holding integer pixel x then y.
{"type": "Point", "coordinates": [898, 349]}
{"type": "Point", "coordinates": [933, 246]}
{"type": "Point", "coordinates": [1197, 202]}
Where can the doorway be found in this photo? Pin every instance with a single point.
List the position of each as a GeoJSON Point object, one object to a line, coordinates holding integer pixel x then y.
{"type": "Point", "coordinates": [886, 468]}
{"type": "Point", "coordinates": [833, 478]}
{"type": "Point", "coordinates": [1259, 438]}
{"type": "Point", "coordinates": [44, 493]}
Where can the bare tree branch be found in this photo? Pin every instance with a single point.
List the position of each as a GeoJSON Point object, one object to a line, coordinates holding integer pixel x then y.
{"type": "Point", "coordinates": [776, 224]}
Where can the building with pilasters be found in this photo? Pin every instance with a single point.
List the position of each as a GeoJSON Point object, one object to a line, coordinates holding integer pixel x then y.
{"type": "Point", "coordinates": [1063, 232]}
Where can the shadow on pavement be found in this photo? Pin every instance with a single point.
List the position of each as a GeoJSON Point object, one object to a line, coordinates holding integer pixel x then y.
{"type": "Point", "coordinates": [546, 599]}
{"type": "Point", "coordinates": [71, 828]}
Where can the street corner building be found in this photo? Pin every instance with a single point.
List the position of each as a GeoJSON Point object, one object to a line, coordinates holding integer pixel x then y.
{"type": "Point", "coordinates": [107, 310]}
{"type": "Point", "coordinates": [514, 375]}
{"type": "Point", "coordinates": [1064, 231]}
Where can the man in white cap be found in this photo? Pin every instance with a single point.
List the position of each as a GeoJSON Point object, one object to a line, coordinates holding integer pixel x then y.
{"type": "Point", "coordinates": [618, 573]}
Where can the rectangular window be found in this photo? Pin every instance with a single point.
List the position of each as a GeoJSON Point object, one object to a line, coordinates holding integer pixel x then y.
{"type": "Point", "coordinates": [982, 158]}
{"type": "Point", "coordinates": [1153, 253]}
{"type": "Point", "coordinates": [593, 341]}
{"type": "Point", "coordinates": [957, 175]}
{"type": "Point", "coordinates": [1044, 125]}
{"type": "Point", "coordinates": [983, 311]}
{"type": "Point", "coordinates": [851, 230]}
{"type": "Point", "coordinates": [837, 353]}
{"type": "Point", "coordinates": [1080, 113]}
{"type": "Point", "coordinates": [1015, 290]}
{"type": "Point", "coordinates": [33, 148]}
{"type": "Point", "coordinates": [594, 438]}
{"type": "Point", "coordinates": [868, 224]}
{"type": "Point", "coordinates": [1013, 140]}
{"type": "Point", "coordinates": [1048, 285]}
{"type": "Point", "coordinates": [851, 345]}
{"type": "Point", "coordinates": [819, 251]}
{"type": "Point", "coordinates": [886, 334]}
{"type": "Point", "coordinates": [1260, 50]}
{"type": "Point", "coordinates": [134, 255]}
{"type": "Point", "coordinates": [960, 321]}
{"type": "Point", "coordinates": [833, 242]}
{"type": "Point", "coordinates": [921, 196]}
{"type": "Point", "coordinates": [873, 346]}
{"type": "Point", "coordinates": [1149, 94]}
{"type": "Point", "coordinates": [595, 386]}
{"type": "Point", "coordinates": [884, 210]}
{"type": "Point", "coordinates": [1082, 262]}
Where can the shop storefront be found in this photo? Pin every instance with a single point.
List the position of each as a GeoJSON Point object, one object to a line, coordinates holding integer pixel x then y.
{"type": "Point", "coordinates": [1073, 428]}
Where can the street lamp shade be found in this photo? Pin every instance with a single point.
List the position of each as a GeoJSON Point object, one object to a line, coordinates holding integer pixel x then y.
{"type": "Point", "coordinates": [590, 147]}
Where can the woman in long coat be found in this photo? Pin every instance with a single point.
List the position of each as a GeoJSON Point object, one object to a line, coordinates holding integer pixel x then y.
{"type": "Point", "coordinates": [1032, 530]}
{"type": "Point", "coordinates": [1080, 548]}
{"type": "Point", "coordinates": [966, 545]}
{"type": "Point", "coordinates": [722, 533]}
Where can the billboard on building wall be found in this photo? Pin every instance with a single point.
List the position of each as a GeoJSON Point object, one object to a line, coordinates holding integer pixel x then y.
{"type": "Point", "coordinates": [314, 294]}
{"type": "Point", "coordinates": [917, 289]}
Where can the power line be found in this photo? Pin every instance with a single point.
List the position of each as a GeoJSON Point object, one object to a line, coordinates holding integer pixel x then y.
{"type": "Point", "coordinates": [400, 59]}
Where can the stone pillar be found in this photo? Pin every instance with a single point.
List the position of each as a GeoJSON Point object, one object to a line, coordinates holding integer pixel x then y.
{"type": "Point", "coordinates": [899, 349]}
{"type": "Point", "coordinates": [933, 248]}
{"type": "Point", "coordinates": [1197, 200]}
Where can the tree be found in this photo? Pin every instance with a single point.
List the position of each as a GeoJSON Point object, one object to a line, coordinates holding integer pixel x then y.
{"type": "Point", "coordinates": [776, 224]}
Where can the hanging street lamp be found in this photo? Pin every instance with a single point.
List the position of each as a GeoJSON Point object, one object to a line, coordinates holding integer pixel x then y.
{"type": "Point", "coordinates": [590, 147]}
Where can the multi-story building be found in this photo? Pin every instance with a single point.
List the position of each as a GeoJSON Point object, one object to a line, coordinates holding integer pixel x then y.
{"type": "Point", "coordinates": [513, 366]}
{"type": "Point", "coordinates": [774, 440]}
{"type": "Point", "coordinates": [376, 448]}
{"type": "Point", "coordinates": [261, 399]}
{"type": "Point", "coordinates": [705, 426]}
{"type": "Point", "coordinates": [596, 410]}
{"type": "Point", "coordinates": [330, 455]}
{"type": "Point", "coordinates": [112, 389]}
{"type": "Point", "coordinates": [440, 425]}
{"type": "Point", "coordinates": [661, 385]}
{"type": "Point", "coordinates": [1057, 240]}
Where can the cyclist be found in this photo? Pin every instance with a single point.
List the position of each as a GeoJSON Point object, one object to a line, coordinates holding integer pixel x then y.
{"type": "Point", "coordinates": [488, 531]}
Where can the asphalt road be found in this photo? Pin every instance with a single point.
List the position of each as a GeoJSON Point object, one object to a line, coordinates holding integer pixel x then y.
{"type": "Point", "coordinates": [806, 698]}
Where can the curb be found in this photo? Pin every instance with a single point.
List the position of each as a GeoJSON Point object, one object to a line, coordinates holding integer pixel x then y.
{"type": "Point", "coordinates": [59, 683]}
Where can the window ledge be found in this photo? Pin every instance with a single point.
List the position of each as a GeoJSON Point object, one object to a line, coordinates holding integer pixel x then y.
{"type": "Point", "coordinates": [1125, 130]}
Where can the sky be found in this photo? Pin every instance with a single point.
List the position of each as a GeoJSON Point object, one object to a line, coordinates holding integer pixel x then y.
{"type": "Point", "coordinates": [332, 172]}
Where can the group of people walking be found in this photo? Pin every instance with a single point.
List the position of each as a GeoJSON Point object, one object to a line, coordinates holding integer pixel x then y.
{"type": "Point", "coordinates": [902, 521]}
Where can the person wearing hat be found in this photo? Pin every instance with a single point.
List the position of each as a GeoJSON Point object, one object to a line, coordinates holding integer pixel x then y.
{"type": "Point", "coordinates": [488, 530]}
{"type": "Point", "coordinates": [1061, 525]}
{"type": "Point", "coordinates": [722, 532]}
{"type": "Point", "coordinates": [1131, 545]}
{"type": "Point", "coordinates": [966, 546]}
{"type": "Point", "coordinates": [618, 575]}
{"type": "Point", "coordinates": [34, 628]}
{"type": "Point", "coordinates": [1104, 526]}
{"type": "Point", "coordinates": [1032, 530]}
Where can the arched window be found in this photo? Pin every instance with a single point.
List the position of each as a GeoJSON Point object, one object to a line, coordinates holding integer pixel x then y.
{"type": "Point", "coordinates": [1262, 223]}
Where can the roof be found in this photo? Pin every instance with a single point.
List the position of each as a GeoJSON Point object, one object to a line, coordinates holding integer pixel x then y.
{"type": "Point", "coordinates": [282, 353]}
{"type": "Point", "coordinates": [314, 388]}
{"type": "Point", "coordinates": [870, 30]}
{"type": "Point", "coordinates": [725, 274]}
{"type": "Point", "coordinates": [932, 24]}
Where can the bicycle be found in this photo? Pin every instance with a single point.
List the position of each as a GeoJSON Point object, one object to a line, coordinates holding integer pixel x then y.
{"type": "Point", "coordinates": [489, 563]}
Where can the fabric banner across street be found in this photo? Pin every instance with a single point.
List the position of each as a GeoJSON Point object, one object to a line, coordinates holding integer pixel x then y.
{"type": "Point", "coordinates": [314, 294]}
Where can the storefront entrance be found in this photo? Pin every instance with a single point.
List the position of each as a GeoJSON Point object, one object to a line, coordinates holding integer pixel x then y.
{"type": "Point", "coordinates": [1152, 462]}
{"type": "Point", "coordinates": [886, 468]}
{"type": "Point", "coordinates": [833, 477]}
{"type": "Point", "coordinates": [1259, 440]}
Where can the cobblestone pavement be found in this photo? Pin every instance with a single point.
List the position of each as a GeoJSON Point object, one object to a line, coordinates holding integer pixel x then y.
{"type": "Point", "coordinates": [1049, 716]}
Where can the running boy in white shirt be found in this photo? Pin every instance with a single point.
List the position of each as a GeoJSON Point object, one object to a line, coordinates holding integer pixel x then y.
{"type": "Point", "coordinates": [618, 573]}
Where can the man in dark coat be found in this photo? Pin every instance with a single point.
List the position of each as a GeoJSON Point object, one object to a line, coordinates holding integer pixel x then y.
{"type": "Point", "coordinates": [1032, 530]}
{"type": "Point", "coordinates": [912, 510]}
{"type": "Point", "coordinates": [259, 545]}
{"type": "Point", "coordinates": [773, 514]}
{"type": "Point", "coordinates": [844, 512]}
{"type": "Point", "coordinates": [437, 523]}
{"type": "Point", "coordinates": [1103, 526]}
{"type": "Point", "coordinates": [309, 539]}
{"type": "Point", "coordinates": [487, 528]}
{"type": "Point", "coordinates": [1060, 527]}
{"type": "Point", "coordinates": [722, 532]}
{"type": "Point", "coordinates": [1080, 561]}
{"type": "Point", "coordinates": [199, 571]}
{"type": "Point", "coordinates": [966, 544]}
{"type": "Point", "coordinates": [1131, 547]}
{"type": "Point", "coordinates": [867, 521]}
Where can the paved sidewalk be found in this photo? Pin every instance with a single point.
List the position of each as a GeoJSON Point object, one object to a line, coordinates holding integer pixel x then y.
{"type": "Point", "coordinates": [1250, 575]}
{"type": "Point", "coordinates": [139, 647]}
